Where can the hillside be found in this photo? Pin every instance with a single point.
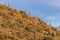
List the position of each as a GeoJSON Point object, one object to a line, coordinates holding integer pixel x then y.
{"type": "Point", "coordinates": [18, 25]}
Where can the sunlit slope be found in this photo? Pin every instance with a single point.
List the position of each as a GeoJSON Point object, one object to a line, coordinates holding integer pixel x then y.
{"type": "Point", "coordinates": [19, 25]}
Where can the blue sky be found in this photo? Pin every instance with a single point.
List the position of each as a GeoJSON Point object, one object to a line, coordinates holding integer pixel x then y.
{"type": "Point", "coordinates": [47, 10]}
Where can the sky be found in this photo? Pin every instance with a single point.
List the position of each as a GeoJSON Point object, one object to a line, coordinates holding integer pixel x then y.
{"type": "Point", "coordinates": [47, 10]}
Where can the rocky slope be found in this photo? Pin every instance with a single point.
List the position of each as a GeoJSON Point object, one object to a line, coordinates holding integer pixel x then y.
{"type": "Point", "coordinates": [17, 25]}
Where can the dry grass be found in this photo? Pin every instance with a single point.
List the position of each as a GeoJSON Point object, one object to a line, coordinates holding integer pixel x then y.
{"type": "Point", "coordinates": [17, 25]}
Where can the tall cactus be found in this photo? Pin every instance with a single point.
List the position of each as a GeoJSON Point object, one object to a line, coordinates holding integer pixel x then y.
{"type": "Point", "coordinates": [8, 3]}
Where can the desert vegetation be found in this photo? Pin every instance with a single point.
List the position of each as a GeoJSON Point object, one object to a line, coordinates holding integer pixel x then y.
{"type": "Point", "coordinates": [17, 25]}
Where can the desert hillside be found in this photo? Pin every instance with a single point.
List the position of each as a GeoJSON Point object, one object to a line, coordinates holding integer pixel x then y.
{"type": "Point", "coordinates": [19, 25]}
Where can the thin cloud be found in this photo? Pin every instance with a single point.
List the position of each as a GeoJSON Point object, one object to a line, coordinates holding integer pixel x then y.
{"type": "Point", "coordinates": [51, 18]}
